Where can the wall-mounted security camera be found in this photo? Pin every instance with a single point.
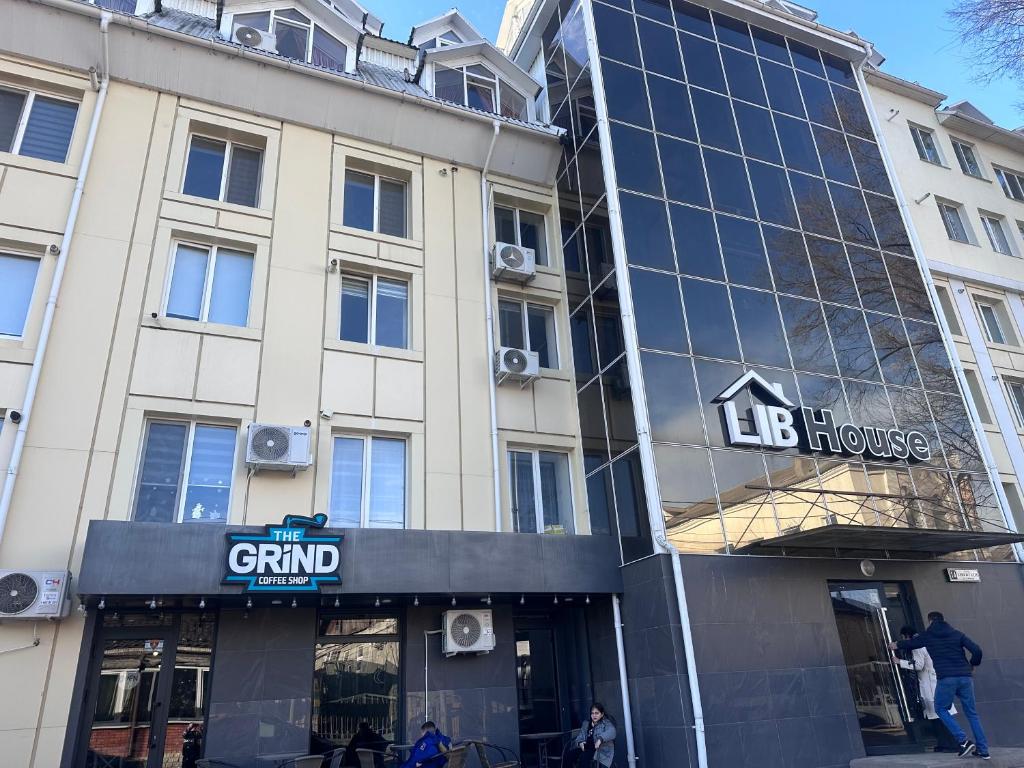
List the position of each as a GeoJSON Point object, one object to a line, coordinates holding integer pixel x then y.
{"type": "Point", "coordinates": [54, 249]}
{"type": "Point", "coordinates": [15, 417]}
{"type": "Point", "coordinates": [154, 315]}
{"type": "Point", "coordinates": [332, 266]}
{"type": "Point", "coordinates": [327, 414]}
{"type": "Point", "coordinates": [307, 423]}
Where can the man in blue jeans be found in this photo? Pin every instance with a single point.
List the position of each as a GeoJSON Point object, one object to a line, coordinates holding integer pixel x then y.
{"type": "Point", "coordinates": [946, 646]}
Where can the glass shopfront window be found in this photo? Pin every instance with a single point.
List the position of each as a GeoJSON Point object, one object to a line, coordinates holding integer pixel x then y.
{"type": "Point", "coordinates": [356, 674]}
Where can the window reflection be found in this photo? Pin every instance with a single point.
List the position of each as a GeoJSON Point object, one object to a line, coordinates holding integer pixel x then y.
{"type": "Point", "coordinates": [659, 316]}
{"type": "Point", "coordinates": [692, 520]}
{"type": "Point", "coordinates": [696, 242]}
{"type": "Point", "coordinates": [711, 328]}
{"type": "Point", "coordinates": [672, 401]}
{"type": "Point", "coordinates": [743, 252]}
{"type": "Point", "coordinates": [757, 319]}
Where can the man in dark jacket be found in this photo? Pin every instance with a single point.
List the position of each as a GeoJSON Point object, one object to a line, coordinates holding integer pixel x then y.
{"type": "Point", "coordinates": [946, 646]}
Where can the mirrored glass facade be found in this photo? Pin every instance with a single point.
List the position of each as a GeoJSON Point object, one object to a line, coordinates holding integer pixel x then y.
{"type": "Point", "coordinates": [761, 234]}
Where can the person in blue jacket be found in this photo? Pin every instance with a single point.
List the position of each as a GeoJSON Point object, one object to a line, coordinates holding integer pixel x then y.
{"type": "Point", "coordinates": [946, 646]}
{"type": "Point", "coordinates": [430, 748]}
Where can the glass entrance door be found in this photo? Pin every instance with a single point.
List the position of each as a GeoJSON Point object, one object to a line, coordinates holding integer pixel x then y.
{"type": "Point", "coordinates": [147, 693]}
{"type": "Point", "coordinates": [869, 615]}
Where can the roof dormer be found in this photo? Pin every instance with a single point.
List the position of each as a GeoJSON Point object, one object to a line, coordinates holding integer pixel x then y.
{"type": "Point", "coordinates": [309, 31]}
{"type": "Point", "coordinates": [478, 75]}
{"type": "Point", "coordinates": [450, 28]}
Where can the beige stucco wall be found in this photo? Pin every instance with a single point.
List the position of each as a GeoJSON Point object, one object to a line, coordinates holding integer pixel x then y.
{"type": "Point", "coordinates": [982, 272]}
{"type": "Point", "coordinates": [111, 365]}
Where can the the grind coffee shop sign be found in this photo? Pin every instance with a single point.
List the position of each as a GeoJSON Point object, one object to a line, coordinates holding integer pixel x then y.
{"type": "Point", "coordinates": [285, 558]}
{"type": "Point", "coordinates": [779, 423]}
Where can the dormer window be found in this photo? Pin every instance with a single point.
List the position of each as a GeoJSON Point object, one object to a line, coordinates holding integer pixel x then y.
{"type": "Point", "coordinates": [297, 37]}
{"type": "Point", "coordinates": [474, 85]}
{"type": "Point", "coordinates": [448, 38]}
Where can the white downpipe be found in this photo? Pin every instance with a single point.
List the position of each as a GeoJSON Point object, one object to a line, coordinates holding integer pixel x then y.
{"type": "Point", "coordinates": [58, 278]}
{"type": "Point", "coordinates": [691, 659]}
{"type": "Point", "coordinates": [426, 670]}
{"type": "Point", "coordinates": [991, 468]}
{"type": "Point", "coordinates": [627, 713]}
{"type": "Point", "coordinates": [489, 306]}
{"type": "Point", "coordinates": [645, 447]}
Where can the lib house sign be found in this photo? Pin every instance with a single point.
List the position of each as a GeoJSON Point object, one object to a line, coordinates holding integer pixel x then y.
{"type": "Point", "coordinates": [285, 558]}
{"type": "Point", "coordinates": [779, 423]}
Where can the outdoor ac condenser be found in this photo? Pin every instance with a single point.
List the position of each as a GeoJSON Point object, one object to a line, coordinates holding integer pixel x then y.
{"type": "Point", "coordinates": [34, 595]}
{"type": "Point", "coordinates": [468, 632]}
{"type": "Point", "coordinates": [271, 446]}
{"type": "Point", "coordinates": [513, 262]}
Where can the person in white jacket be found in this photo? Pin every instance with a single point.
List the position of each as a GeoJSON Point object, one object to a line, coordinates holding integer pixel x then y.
{"type": "Point", "coordinates": [921, 662]}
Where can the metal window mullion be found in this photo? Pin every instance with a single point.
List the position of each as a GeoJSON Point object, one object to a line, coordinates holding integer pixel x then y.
{"type": "Point", "coordinates": [309, 43]}
{"type": "Point", "coordinates": [376, 203]}
{"type": "Point", "coordinates": [371, 304]}
{"type": "Point", "coordinates": [186, 470]}
{"type": "Point", "coordinates": [538, 503]}
{"type": "Point", "coordinates": [465, 85]}
{"type": "Point", "coordinates": [224, 171]}
{"type": "Point", "coordinates": [211, 265]}
{"type": "Point", "coordinates": [364, 511]}
{"type": "Point", "coordinates": [26, 111]}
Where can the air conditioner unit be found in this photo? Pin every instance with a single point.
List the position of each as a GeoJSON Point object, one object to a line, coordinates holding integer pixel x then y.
{"type": "Point", "coordinates": [516, 365]}
{"type": "Point", "coordinates": [34, 595]}
{"type": "Point", "coordinates": [271, 446]}
{"type": "Point", "coordinates": [468, 632]}
{"type": "Point", "coordinates": [251, 37]}
{"type": "Point", "coordinates": [513, 262]}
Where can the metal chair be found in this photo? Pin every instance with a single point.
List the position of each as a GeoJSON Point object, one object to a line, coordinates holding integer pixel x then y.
{"type": "Point", "coordinates": [373, 758]}
{"type": "Point", "coordinates": [335, 757]}
{"type": "Point", "coordinates": [457, 756]}
{"type": "Point", "coordinates": [504, 753]}
{"type": "Point", "coordinates": [303, 761]}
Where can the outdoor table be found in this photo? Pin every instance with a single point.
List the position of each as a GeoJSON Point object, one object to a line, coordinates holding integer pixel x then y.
{"type": "Point", "coordinates": [542, 740]}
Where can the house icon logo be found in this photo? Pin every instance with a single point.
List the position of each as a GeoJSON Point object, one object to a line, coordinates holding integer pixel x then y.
{"type": "Point", "coordinates": [779, 423]}
{"type": "Point", "coordinates": [773, 416]}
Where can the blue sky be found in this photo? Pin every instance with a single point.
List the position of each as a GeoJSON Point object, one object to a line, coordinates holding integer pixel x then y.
{"type": "Point", "coordinates": [914, 35]}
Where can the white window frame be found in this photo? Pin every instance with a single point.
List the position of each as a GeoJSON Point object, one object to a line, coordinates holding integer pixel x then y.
{"type": "Point", "coordinates": [211, 268]}
{"type": "Point", "coordinates": [989, 222]}
{"type": "Point", "coordinates": [961, 215]}
{"type": "Point", "coordinates": [1015, 404]}
{"type": "Point", "coordinates": [186, 466]}
{"type": "Point", "coordinates": [538, 505]}
{"type": "Point", "coordinates": [229, 147]}
{"type": "Point", "coordinates": [919, 133]}
{"type": "Point", "coordinates": [377, 177]}
{"type": "Point", "coordinates": [516, 211]}
{"type": "Point", "coordinates": [1011, 182]}
{"type": "Point", "coordinates": [31, 298]}
{"type": "Point", "coordinates": [526, 304]}
{"type": "Point", "coordinates": [991, 305]}
{"type": "Point", "coordinates": [364, 487]}
{"type": "Point", "coordinates": [959, 149]}
{"type": "Point", "coordinates": [26, 112]}
{"type": "Point", "coordinates": [498, 81]}
{"type": "Point", "coordinates": [371, 326]}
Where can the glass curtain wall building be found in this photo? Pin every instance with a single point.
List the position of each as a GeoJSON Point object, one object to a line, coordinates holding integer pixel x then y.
{"type": "Point", "coordinates": [763, 384]}
{"type": "Point", "coordinates": [761, 234]}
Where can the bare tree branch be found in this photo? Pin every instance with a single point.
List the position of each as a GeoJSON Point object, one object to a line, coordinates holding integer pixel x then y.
{"type": "Point", "coordinates": [994, 31]}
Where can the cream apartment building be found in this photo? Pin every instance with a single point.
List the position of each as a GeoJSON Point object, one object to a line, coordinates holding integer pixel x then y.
{"type": "Point", "coordinates": [268, 214]}
{"type": "Point", "coordinates": [963, 184]}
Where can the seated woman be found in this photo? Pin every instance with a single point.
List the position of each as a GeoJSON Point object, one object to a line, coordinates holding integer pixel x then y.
{"type": "Point", "coordinates": [595, 743]}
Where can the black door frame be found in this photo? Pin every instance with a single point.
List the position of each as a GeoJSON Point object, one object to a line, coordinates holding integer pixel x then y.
{"type": "Point", "coordinates": [158, 718]}
{"type": "Point", "coordinates": [913, 612]}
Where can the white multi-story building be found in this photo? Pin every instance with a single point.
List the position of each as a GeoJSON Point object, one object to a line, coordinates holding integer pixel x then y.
{"type": "Point", "coordinates": [963, 179]}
